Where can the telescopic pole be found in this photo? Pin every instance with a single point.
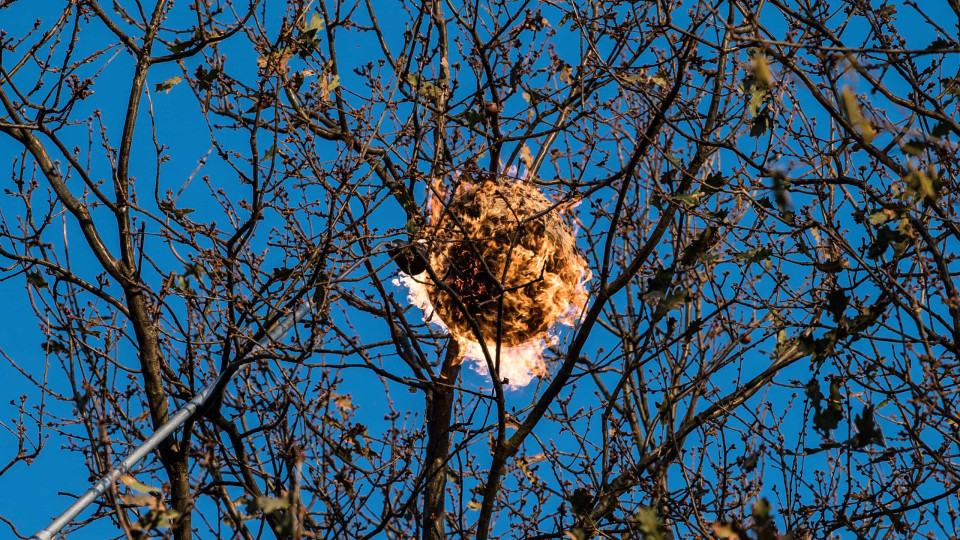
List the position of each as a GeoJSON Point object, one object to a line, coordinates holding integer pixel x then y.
{"type": "Point", "coordinates": [181, 416]}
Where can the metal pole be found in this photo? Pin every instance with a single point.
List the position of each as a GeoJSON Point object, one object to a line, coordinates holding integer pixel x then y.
{"type": "Point", "coordinates": [165, 431]}
{"type": "Point", "coordinates": [181, 416]}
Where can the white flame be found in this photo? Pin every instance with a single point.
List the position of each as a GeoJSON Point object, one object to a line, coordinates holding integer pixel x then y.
{"type": "Point", "coordinates": [518, 364]}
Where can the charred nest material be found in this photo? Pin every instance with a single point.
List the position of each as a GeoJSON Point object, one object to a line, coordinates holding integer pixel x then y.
{"type": "Point", "coordinates": [503, 250]}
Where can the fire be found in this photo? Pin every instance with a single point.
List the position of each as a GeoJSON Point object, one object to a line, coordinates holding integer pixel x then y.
{"type": "Point", "coordinates": [506, 261]}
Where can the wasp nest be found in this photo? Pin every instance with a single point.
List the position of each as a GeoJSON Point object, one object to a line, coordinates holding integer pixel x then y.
{"type": "Point", "coordinates": [505, 257]}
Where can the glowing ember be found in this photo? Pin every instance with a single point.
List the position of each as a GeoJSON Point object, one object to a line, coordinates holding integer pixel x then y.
{"type": "Point", "coordinates": [505, 259]}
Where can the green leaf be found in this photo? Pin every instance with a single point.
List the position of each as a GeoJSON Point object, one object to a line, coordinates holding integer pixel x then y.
{"type": "Point", "coordinates": [659, 284]}
{"type": "Point", "coordinates": [268, 505]}
{"type": "Point", "coordinates": [938, 45]}
{"type": "Point", "coordinates": [828, 418]}
{"type": "Point", "coordinates": [315, 24]}
{"type": "Point", "coordinates": [868, 432]}
{"type": "Point", "coordinates": [887, 13]}
{"type": "Point", "coordinates": [581, 502]}
{"type": "Point", "coordinates": [758, 97]}
{"type": "Point", "coordinates": [812, 390]}
{"type": "Point", "coordinates": [713, 184]}
{"type": "Point", "coordinates": [424, 86]}
{"type": "Point", "coordinates": [755, 255]}
{"type": "Point", "coordinates": [762, 521]}
{"type": "Point", "coordinates": [473, 117]}
{"type": "Point", "coordinates": [781, 194]}
{"type": "Point", "coordinates": [920, 185]}
{"type": "Point", "coordinates": [913, 147]}
{"type": "Point", "coordinates": [139, 486]}
{"type": "Point", "coordinates": [54, 347]}
{"type": "Point", "coordinates": [700, 246]}
{"type": "Point", "coordinates": [649, 524]}
{"type": "Point", "coordinates": [940, 129]}
{"type": "Point", "coordinates": [837, 302]}
{"type": "Point", "coordinates": [168, 208]}
{"type": "Point", "coordinates": [761, 123]}
{"type": "Point", "coordinates": [168, 84]}
{"type": "Point", "coordinates": [886, 236]}
{"type": "Point", "coordinates": [855, 114]}
{"type": "Point", "coordinates": [691, 200]}
{"type": "Point", "coordinates": [36, 280]}
{"type": "Point", "coordinates": [673, 159]}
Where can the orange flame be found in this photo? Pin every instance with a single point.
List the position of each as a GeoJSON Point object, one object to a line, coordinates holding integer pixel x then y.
{"type": "Point", "coordinates": [502, 248]}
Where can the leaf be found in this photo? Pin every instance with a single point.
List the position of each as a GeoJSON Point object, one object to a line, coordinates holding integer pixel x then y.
{"type": "Point", "coordinates": [36, 280]}
{"type": "Point", "coordinates": [276, 61]}
{"type": "Point", "coordinates": [167, 207]}
{"type": "Point", "coordinates": [828, 418]}
{"type": "Point", "coordinates": [581, 502]}
{"type": "Point", "coordinates": [713, 184]}
{"type": "Point", "coordinates": [730, 531]}
{"type": "Point", "coordinates": [205, 78]}
{"type": "Point", "coordinates": [886, 237]}
{"type": "Point", "coordinates": [268, 505]}
{"type": "Point", "coordinates": [158, 519]}
{"type": "Point", "coordinates": [659, 284]}
{"type": "Point", "coordinates": [758, 97]}
{"type": "Point", "coordinates": [649, 524]}
{"type": "Point", "coordinates": [333, 83]}
{"type": "Point", "coordinates": [868, 432]}
{"type": "Point", "coordinates": [423, 86]}
{"type": "Point", "coordinates": [938, 45]}
{"type": "Point", "coordinates": [53, 347]}
{"type": "Point", "coordinates": [473, 117]}
{"type": "Point", "coordinates": [855, 114]}
{"type": "Point", "coordinates": [831, 266]}
{"type": "Point", "coordinates": [691, 200]}
{"type": "Point", "coordinates": [526, 156]}
{"type": "Point", "coordinates": [913, 147]}
{"type": "Point", "coordinates": [314, 26]}
{"type": "Point", "coordinates": [837, 302]}
{"type": "Point", "coordinates": [761, 71]}
{"type": "Point", "coordinates": [673, 159]}
{"type": "Point", "coordinates": [812, 390]}
{"type": "Point", "coordinates": [168, 84]}
{"type": "Point", "coordinates": [762, 522]}
{"type": "Point", "coordinates": [781, 194]}
{"type": "Point", "coordinates": [755, 255]}
{"type": "Point", "coordinates": [525, 464]}
{"type": "Point", "coordinates": [136, 485]}
{"type": "Point", "coordinates": [674, 300]}
{"type": "Point", "coordinates": [761, 123]}
{"type": "Point", "coordinates": [920, 185]}
{"type": "Point", "coordinates": [178, 46]}
{"type": "Point", "coordinates": [887, 13]}
{"type": "Point", "coordinates": [700, 246]}
{"type": "Point", "coordinates": [883, 216]}
{"type": "Point", "coordinates": [940, 129]}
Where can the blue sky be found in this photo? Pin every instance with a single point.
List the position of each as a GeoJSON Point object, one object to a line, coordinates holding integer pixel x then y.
{"type": "Point", "coordinates": [56, 470]}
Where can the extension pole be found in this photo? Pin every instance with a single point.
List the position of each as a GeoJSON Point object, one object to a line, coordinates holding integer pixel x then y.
{"type": "Point", "coordinates": [181, 416]}
{"type": "Point", "coordinates": [165, 431]}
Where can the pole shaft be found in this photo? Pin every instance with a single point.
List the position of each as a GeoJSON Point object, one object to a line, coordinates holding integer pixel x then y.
{"type": "Point", "coordinates": [167, 429]}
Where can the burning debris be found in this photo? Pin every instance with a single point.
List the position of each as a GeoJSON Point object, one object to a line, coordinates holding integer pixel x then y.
{"type": "Point", "coordinates": [505, 259]}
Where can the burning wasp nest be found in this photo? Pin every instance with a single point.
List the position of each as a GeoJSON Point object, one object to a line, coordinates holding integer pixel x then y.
{"type": "Point", "coordinates": [503, 255]}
